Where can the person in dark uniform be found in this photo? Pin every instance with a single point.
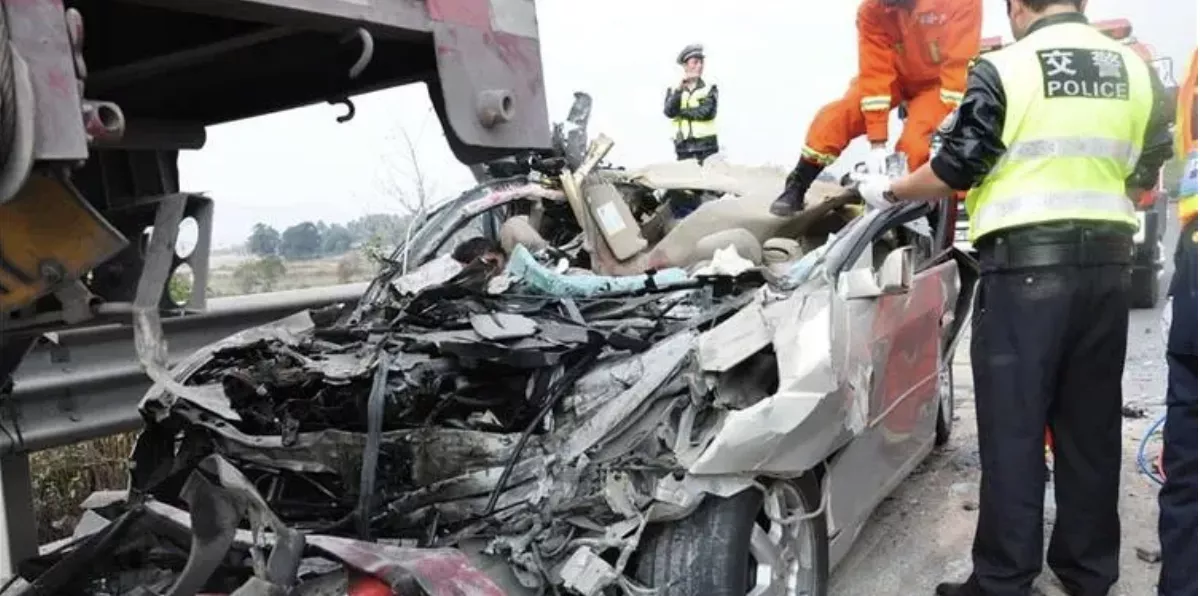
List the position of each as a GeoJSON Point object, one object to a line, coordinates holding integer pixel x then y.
{"type": "Point", "coordinates": [1054, 134]}
{"type": "Point", "coordinates": [1177, 499]}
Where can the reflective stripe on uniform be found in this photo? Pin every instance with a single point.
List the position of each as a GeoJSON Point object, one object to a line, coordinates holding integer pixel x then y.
{"type": "Point", "coordinates": [1095, 147]}
{"type": "Point", "coordinates": [876, 103]}
{"type": "Point", "coordinates": [951, 97]}
{"type": "Point", "coordinates": [1084, 205]}
{"type": "Point", "coordinates": [815, 156]}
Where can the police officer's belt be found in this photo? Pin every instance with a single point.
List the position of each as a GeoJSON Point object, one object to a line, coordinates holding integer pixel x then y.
{"type": "Point", "coordinates": [1056, 244]}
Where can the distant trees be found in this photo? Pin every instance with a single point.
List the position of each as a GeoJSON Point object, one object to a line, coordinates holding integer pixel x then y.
{"type": "Point", "coordinates": [336, 239]}
{"type": "Point", "coordinates": [263, 241]}
{"type": "Point", "coordinates": [301, 241]}
{"type": "Point", "coordinates": [386, 228]}
{"type": "Point", "coordinates": [309, 240]}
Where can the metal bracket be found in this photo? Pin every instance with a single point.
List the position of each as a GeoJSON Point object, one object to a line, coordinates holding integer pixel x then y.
{"type": "Point", "coordinates": [160, 253]}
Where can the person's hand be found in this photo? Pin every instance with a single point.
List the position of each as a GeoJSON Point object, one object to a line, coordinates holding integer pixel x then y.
{"type": "Point", "coordinates": [877, 161]}
{"type": "Point", "coordinates": [875, 191]}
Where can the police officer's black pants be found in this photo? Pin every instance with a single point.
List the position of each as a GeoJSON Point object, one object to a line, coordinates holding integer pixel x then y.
{"type": "Point", "coordinates": [1048, 348]}
{"type": "Point", "coordinates": [699, 153]}
{"type": "Point", "coordinates": [1177, 499]}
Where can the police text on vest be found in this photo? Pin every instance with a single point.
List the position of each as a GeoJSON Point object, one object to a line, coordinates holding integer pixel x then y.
{"type": "Point", "coordinates": [1082, 73]}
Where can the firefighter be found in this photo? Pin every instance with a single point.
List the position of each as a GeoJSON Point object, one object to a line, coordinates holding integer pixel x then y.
{"type": "Point", "coordinates": [1055, 133]}
{"type": "Point", "coordinates": [1177, 500]}
{"type": "Point", "coordinates": [692, 108]}
{"type": "Point", "coordinates": [910, 51]}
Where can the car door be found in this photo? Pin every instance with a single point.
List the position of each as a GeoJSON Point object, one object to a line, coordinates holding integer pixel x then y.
{"type": "Point", "coordinates": [892, 344]}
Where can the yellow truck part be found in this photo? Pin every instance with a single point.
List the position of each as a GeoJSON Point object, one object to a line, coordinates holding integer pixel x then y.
{"type": "Point", "coordinates": [49, 235]}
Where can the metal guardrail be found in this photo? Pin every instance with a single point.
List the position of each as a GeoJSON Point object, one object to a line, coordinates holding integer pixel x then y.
{"type": "Point", "coordinates": [85, 383]}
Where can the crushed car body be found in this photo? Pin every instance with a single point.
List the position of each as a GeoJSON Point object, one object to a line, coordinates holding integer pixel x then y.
{"type": "Point", "coordinates": [531, 398]}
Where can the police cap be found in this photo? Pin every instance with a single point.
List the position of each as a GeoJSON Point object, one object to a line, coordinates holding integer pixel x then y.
{"type": "Point", "coordinates": [692, 51]}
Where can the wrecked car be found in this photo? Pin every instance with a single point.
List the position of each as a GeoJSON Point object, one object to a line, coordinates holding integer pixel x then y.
{"type": "Point", "coordinates": [554, 387]}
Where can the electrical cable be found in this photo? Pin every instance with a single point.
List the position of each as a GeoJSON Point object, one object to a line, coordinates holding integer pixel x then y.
{"type": "Point", "coordinates": [1143, 465]}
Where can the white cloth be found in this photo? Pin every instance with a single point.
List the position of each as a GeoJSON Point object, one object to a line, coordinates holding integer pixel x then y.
{"type": "Point", "coordinates": [877, 162]}
{"type": "Point", "coordinates": [872, 189]}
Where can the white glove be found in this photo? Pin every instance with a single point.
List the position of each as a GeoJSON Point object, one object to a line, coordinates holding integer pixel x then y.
{"type": "Point", "coordinates": [877, 162]}
{"type": "Point", "coordinates": [873, 188]}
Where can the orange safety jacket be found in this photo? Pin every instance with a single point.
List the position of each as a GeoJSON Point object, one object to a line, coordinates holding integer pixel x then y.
{"type": "Point", "coordinates": [901, 50]}
{"type": "Point", "coordinates": [1185, 138]}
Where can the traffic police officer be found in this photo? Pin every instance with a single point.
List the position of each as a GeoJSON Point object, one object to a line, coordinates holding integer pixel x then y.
{"type": "Point", "coordinates": [1177, 500]}
{"type": "Point", "coordinates": [1053, 134]}
{"type": "Point", "coordinates": [692, 107]}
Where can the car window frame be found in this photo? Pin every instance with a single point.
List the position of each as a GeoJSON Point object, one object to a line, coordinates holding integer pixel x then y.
{"type": "Point", "coordinates": [859, 235]}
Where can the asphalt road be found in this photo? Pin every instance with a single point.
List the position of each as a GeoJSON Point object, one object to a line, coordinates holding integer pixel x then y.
{"type": "Point", "coordinates": [922, 534]}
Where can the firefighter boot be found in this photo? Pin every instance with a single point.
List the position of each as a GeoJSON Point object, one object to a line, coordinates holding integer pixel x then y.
{"type": "Point", "coordinates": [791, 200]}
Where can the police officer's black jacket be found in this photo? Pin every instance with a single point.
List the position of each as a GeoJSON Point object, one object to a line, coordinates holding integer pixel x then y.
{"type": "Point", "coordinates": [971, 143]}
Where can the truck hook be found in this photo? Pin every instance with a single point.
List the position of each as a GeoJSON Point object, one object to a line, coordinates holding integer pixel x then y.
{"type": "Point", "coordinates": [368, 50]}
{"type": "Point", "coordinates": [349, 115]}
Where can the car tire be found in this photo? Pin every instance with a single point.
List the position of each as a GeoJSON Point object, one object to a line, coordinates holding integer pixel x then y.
{"type": "Point", "coordinates": [1144, 289]}
{"type": "Point", "coordinates": [712, 552]}
{"type": "Point", "coordinates": [945, 415]}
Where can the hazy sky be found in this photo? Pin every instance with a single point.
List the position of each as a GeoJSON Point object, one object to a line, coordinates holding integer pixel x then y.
{"type": "Point", "coordinates": [776, 65]}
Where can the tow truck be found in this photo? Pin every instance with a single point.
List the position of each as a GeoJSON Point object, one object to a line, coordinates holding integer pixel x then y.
{"type": "Point", "coordinates": [1151, 207]}
{"type": "Point", "coordinates": [98, 98]}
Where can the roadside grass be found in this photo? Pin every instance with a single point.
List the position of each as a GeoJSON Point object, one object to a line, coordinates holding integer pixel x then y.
{"type": "Point", "coordinates": [64, 477]}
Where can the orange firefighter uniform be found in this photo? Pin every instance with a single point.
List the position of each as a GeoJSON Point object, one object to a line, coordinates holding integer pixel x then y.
{"type": "Point", "coordinates": [918, 56]}
{"type": "Point", "coordinates": [910, 51]}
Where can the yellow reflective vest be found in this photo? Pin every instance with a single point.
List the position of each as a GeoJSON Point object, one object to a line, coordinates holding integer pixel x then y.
{"type": "Point", "coordinates": [1185, 143]}
{"type": "Point", "coordinates": [693, 129]}
{"type": "Point", "coordinates": [1077, 108]}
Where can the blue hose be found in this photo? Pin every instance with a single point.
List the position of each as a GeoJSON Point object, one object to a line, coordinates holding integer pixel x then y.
{"type": "Point", "coordinates": [1143, 465]}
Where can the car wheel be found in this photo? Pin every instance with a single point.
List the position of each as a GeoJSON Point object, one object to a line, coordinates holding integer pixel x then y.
{"type": "Point", "coordinates": [1144, 288]}
{"type": "Point", "coordinates": [736, 546]}
{"type": "Point", "coordinates": [945, 416]}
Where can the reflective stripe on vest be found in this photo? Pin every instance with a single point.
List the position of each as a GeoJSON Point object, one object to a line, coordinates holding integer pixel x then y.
{"type": "Point", "coordinates": [1099, 148]}
{"type": "Point", "coordinates": [1077, 108]}
{"type": "Point", "coordinates": [1085, 204]}
{"type": "Point", "coordinates": [694, 129]}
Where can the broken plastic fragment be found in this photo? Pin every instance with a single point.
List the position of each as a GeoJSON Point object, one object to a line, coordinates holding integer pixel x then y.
{"type": "Point", "coordinates": [432, 273]}
{"type": "Point", "coordinates": [587, 573]}
{"type": "Point", "coordinates": [497, 326]}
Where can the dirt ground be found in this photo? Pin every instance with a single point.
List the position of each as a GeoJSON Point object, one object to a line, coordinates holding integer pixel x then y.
{"type": "Point", "coordinates": [922, 534]}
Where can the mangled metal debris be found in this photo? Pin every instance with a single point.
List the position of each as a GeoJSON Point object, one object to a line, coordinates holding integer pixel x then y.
{"type": "Point", "coordinates": [526, 405]}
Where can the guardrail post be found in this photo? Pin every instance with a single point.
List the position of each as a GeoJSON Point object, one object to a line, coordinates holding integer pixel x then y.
{"type": "Point", "coordinates": [18, 524]}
